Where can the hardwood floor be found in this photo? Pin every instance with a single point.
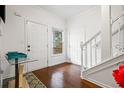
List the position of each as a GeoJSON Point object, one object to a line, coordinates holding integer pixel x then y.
{"type": "Point", "coordinates": [64, 75]}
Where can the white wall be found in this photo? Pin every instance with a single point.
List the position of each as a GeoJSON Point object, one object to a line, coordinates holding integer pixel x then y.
{"type": "Point", "coordinates": [81, 28]}
{"type": "Point", "coordinates": [2, 27]}
{"type": "Point", "coordinates": [14, 34]}
{"type": "Point", "coordinates": [1, 33]}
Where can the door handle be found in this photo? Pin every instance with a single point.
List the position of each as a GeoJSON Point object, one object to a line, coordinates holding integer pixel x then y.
{"type": "Point", "coordinates": [28, 50]}
{"type": "Point", "coordinates": [28, 46]}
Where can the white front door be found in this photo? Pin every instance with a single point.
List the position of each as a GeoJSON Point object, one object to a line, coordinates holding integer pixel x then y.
{"type": "Point", "coordinates": [36, 45]}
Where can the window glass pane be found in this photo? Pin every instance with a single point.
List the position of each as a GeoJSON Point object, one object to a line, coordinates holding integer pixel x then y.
{"type": "Point", "coordinates": [57, 42]}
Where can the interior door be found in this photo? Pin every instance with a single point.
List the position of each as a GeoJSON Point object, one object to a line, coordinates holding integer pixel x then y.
{"type": "Point", "coordinates": [36, 45]}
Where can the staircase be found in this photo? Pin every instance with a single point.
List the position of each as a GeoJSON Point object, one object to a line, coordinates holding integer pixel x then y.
{"type": "Point", "coordinates": [93, 69]}
{"type": "Point", "coordinates": [101, 74]}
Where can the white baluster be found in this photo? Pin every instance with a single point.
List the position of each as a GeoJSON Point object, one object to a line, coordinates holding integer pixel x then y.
{"type": "Point", "coordinates": [82, 66]}
{"type": "Point", "coordinates": [120, 40]}
{"type": "Point", "coordinates": [120, 43]}
{"type": "Point", "coordinates": [95, 52]}
{"type": "Point", "coordinates": [90, 53]}
{"type": "Point", "coordinates": [86, 56]}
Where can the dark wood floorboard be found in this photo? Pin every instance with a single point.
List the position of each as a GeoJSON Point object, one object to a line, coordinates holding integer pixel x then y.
{"type": "Point", "coordinates": [64, 75]}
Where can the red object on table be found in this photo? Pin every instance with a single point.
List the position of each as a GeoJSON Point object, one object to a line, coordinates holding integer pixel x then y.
{"type": "Point", "coordinates": [119, 76]}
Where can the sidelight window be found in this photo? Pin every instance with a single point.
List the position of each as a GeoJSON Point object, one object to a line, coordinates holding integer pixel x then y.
{"type": "Point", "coordinates": [57, 41]}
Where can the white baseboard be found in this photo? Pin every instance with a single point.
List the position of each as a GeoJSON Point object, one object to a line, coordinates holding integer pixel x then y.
{"type": "Point", "coordinates": [68, 60]}
{"type": "Point", "coordinates": [49, 64]}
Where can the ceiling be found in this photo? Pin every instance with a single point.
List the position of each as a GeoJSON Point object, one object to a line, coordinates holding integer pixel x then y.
{"type": "Point", "coordinates": [66, 11]}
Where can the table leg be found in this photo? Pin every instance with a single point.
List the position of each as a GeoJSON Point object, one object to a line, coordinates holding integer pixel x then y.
{"type": "Point", "coordinates": [16, 73]}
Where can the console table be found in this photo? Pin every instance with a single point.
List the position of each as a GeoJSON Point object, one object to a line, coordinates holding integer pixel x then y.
{"type": "Point", "coordinates": [16, 58]}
